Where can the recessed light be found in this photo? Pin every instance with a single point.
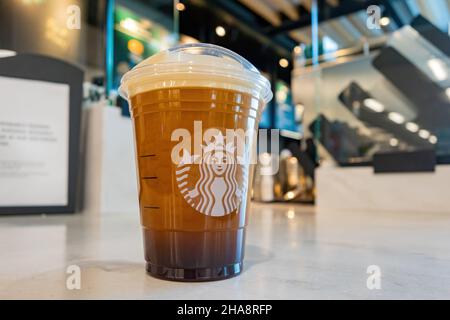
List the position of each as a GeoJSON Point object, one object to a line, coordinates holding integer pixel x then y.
{"type": "Point", "coordinates": [374, 105]}
{"type": "Point", "coordinates": [384, 21]}
{"type": "Point", "coordinates": [284, 63]}
{"type": "Point", "coordinates": [393, 142]}
{"type": "Point", "coordinates": [129, 24]}
{"type": "Point", "coordinates": [220, 31]}
{"type": "Point", "coordinates": [180, 6]}
{"type": "Point", "coordinates": [424, 134]}
{"type": "Point", "coordinates": [438, 68]}
{"type": "Point", "coordinates": [396, 117]}
{"type": "Point", "coordinates": [413, 127]}
{"type": "Point", "coordinates": [433, 140]}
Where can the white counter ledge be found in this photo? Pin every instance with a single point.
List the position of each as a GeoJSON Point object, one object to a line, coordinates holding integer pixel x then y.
{"type": "Point", "coordinates": [292, 252]}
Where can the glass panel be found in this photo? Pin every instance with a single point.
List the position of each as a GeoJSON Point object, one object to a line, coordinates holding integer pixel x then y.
{"type": "Point", "coordinates": [383, 83]}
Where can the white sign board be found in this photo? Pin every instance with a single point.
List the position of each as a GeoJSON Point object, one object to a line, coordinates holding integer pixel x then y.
{"type": "Point", "coordinates": [34, 143]}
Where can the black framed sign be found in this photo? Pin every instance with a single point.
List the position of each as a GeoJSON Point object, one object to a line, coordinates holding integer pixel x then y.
{"type": "Point", "coordinates": [40, 113]}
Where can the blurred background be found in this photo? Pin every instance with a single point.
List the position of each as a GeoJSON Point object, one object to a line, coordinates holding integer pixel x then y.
{"type": "Point", "coordinates": [361, 107]}
{"type": "Point", "coordinates": [361, 93]}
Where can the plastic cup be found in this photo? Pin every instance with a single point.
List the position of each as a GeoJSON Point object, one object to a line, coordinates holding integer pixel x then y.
{"type": "Point", "coordinates": [186, 105]}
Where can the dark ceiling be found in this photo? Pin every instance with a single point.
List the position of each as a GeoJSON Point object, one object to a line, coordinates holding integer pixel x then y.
{"type": "Point", "coordinates": [265, 31]}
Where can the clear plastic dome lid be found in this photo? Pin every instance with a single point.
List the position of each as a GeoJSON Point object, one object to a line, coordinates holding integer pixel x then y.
{"type": "Point", "coordinates": [199, 64]}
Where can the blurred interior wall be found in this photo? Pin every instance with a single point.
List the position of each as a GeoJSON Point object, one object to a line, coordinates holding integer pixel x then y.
{"type": "Point", "coordinates": [40, 26]}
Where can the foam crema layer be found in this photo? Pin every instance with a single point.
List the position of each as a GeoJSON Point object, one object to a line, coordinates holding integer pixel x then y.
{"type": "Point", "coordinates": [196, 65]}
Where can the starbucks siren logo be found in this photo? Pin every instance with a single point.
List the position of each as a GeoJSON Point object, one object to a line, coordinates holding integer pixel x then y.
{"type": "Point", "coordinates": [214, 185]}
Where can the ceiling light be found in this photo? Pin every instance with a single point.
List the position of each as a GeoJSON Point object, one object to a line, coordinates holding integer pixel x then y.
{"type": "Point", "coordinates": [180, 6]}
{"type": "Point", "coordinates": [384, 21]}
{"type": "Point", "coordinates": [393, 142]}
{"type": "Point", "coordinates": [433, 139]}
{"type": "Point", "coordinates": [129, 24]}
{"type": "Point", "coordinates": [438, 68]}
{"type": "Point", "coordinates": [396, 117]}
{"type": "Point", "coordinates": [283, 63]}
{"type": "Point", "coordinates": [424, 134]}
{"type": "Point", "coordinates": [220, 31]}
{"type": "Point", "coordinates": [374, 105]}
{"type": "Point", "coordinates": [289, 195]}
{"type": "Point", "coordinates": [413, 127]}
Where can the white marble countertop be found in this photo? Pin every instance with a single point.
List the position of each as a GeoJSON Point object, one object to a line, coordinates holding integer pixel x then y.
{"type": "Point", "coordinates": [292, 252]}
